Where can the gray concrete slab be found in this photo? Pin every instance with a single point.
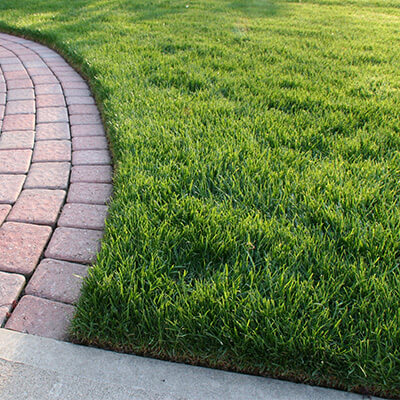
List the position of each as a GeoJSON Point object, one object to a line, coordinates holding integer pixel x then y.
{"type": "Point", "coordinates": [37, 368]}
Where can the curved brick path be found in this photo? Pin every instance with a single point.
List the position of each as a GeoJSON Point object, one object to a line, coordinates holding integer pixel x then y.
{"type": "Point", "coordinates": [53, 189]}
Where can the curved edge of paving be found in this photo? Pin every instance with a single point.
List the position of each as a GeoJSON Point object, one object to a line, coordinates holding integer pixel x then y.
{"type": "Point", "coordinates": [55, 183]}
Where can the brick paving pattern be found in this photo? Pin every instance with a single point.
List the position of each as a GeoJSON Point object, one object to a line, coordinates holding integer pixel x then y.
{"type": "Point", "coordinates": [55, 184]}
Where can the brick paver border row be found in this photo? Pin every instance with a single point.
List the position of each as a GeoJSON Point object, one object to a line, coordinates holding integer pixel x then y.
{"type": "Point", "coordinates": [55, 184]}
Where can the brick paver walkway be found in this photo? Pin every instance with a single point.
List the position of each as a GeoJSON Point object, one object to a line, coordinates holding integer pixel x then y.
{"type": "Point", "coordinates": [55, 181]}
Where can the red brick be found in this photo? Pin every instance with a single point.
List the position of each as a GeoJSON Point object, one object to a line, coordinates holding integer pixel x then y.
{"type": "Point", "coordinates": [65, 70]}
{"type": "Point", "coordinates": [68, 76]}
{"type": "Point", "coordinates": [15, 140]}
{"type": "Point", "coordinates": [62, 69]}
{"type": "Point", "coordinates": [20, 94]}
{"type": "Point", "coordinates": [20, 107]}
{"type": "Point", "coordinates": [56, 61]}
{"type": "Point", "coordinates": [17, 66]}
{"type": "Point", "coordinates": [10, 188]}
{"type": "Point", "coordinates": [76, 245]}
{"type": "Point", "coordinates": [11, 286]}
{"type": "Point", "coordinates": [29, 57]}
{"type": "Point", "coordinates": [21, 246]}
{"type": "Point", "coordinates": [11, 75]}
{"type": "Point", "coordinates": [9, 60]}
{"type": "Point", "coordinates": [52, 114]}
{"type": "Point", "coordinates": [50, 100]}
{"type": "Point", "coordinates": [89, 143]}
{"type": "Point", "coordinates": [89, 193]}
{"type": "Point", "coordinates": [77, 92]}
{"type": "Point", "coordinates": [35, 64]}
{"type": "Point", "coordinates": [20, 51]}
{"type": "Point", "coordinates": [57, 280]}
{"type": "Point", "coordinates": [91, 173]}
{"type": "Point", "coordinates": [84, 216]}
{"type": "Point", "coordinates": [85, 119]}
{"type": "Point", "coordinates": [4, 210]}
{"type": "Point", "coordinates": [15, 161]}
{"type": "Point", "coordinates": [19, 84]}
{"type": "Point", "coordinates": [83, 109]}
{"type": "Point", "coordinates": [75, 85]}
{"type": "Point", "coordinates": [52, 131]}
{"type": "Point", "coordinates": [91, 157]}
{"type": "Point", "coordinates": [39, 71]}
{"type": "Point", "coordinates": [52, 175]}
{"type": "Point", "coordinates": [37, 206]}
{"type": "Point", "coordinates": [44, 79]}
{"type": "Point", "coordinates": [41, 317]}
{"type": "Point", "coordinates": [48, 89]}
{"type": "Point", "coordinates": [80, 100]}
{"type": "Point", "coordinates": [19, 122]}
{"type": "Point", "coordinates": [52, 150]}
{"type": "Point", "coordinates": [87, 130]}
{"type": "Point", "coordinates": [7, 54]}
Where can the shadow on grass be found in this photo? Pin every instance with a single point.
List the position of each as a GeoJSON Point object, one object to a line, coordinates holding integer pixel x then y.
{"type": "Point", "coordinates": [255, 8]}
{"type": "Point", "coordinates": [140, 10]}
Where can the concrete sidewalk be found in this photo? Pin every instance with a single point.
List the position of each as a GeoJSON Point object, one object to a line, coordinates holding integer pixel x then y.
{"type": "Point", "coordinates": [37, 368]}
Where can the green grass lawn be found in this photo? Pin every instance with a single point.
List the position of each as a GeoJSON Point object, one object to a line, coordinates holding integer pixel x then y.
{"type": "Point", "coordinates": [255, 221]}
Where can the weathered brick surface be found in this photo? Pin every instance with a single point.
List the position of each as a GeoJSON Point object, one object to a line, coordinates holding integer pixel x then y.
{"type": "Point", "coordinates": [8, 60]}
{"type": "Point", "coordinates": [89, 193]}
{"type": "Point", "coordinates": [20, 94]}
{"type": "Point", "coordinates": [87, 130]}
{"type": "Point", "coordinates": [10, 187]}
{"type": "Point", "coordinates": [48, 176]}
{"type": "Point", "coordinates": [18, 122]}
{"type": "Point", "coordinates": [11, 286]}
{"type": "Point", "coordinates": [90, 157]}
{"type": "Point", "coordinates": [76, 245]}
{"type": "Point", "coordinates": [44, 79]}
{"type": "Point", "coordinates": [52, 150]}
{"type": "Point", "coordinates": [21, 246]}
{"type": "Point", "coordinates": [20, 107]}
{"type": "Point", "coordinates": [16, 75]}
{"type": "Point", "coordinates": [41, 317]}
{"type": "Point", "coordinates": [75, 85]}
{"type": "Point", "coordinates": [78, 109]}
{"type": "Point", "coordinates": [91, 173]}
{"type": "Point", "coordinates": [15, 161]}
{"type": "Point", "coordinates": [34, 63]}
{"type": "Point", "coordinates": [89, 143]}
{"type": "Point", "coordinates": [52, 114]}
{"type": "Point", "coordinates": [74, 93]}
{"type": "Point", "coordinates": [71, 100]}
{"type": "Point", "coordinates": [48, 89]}
{"type": "Point", "coordinates": [37, 206]}
{"type": "Point", "coordinates": [50, 100]}
{"type": "Point", "coordinates": [19, 84]}
{"type": "Point", "coordinates": [39, 71]}
{"type": "Point", "coordinates": [85, 119]}
{"type": "Point", "coordinates": [53, 131]}
{"type": "Point", "coordinates": [4, 210]}
{"type": "Point", "coordinates": [57, 280]}
{"type": "Point", "coordinates": [17, 140]}
{"type": "Point", "coordinates": [84, 216]}
{"type": "Point", "coordinates": [11, 67]}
